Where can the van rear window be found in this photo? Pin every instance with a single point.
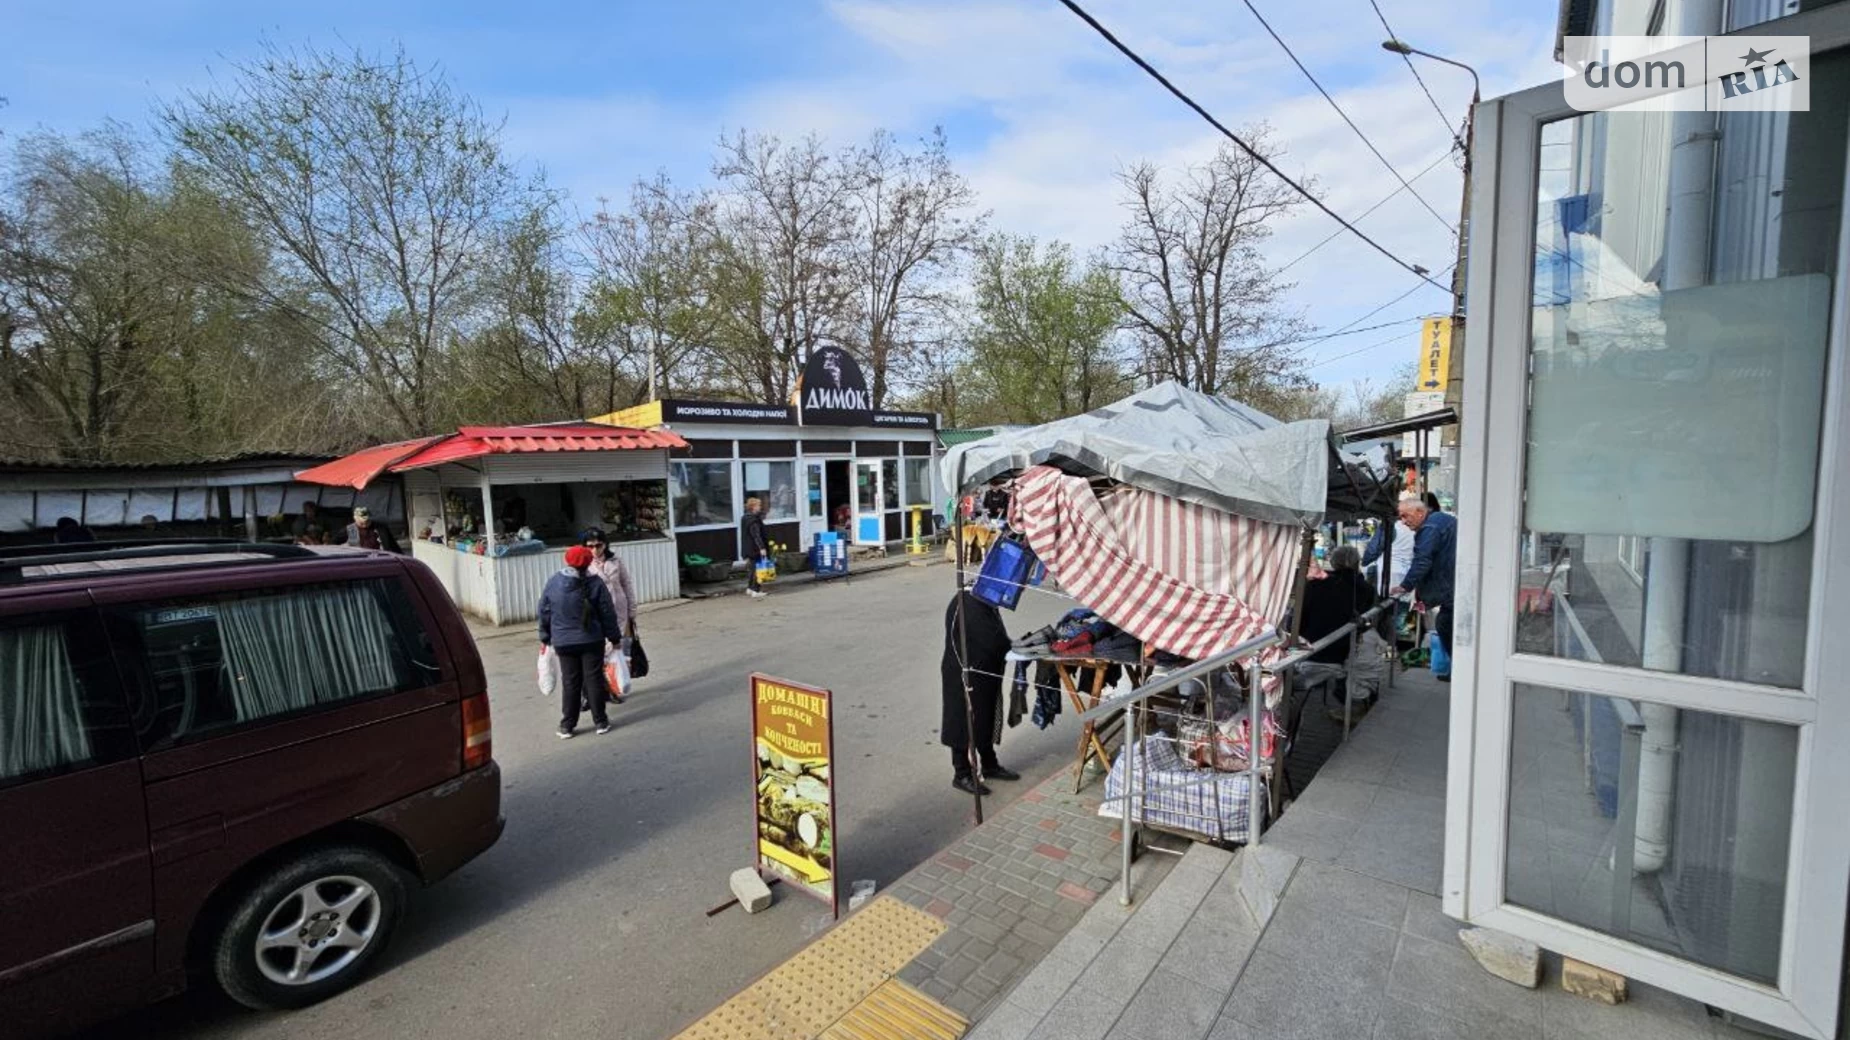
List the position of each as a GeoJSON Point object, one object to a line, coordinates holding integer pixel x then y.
{"type": "Point", "coordinates": [243, 657]}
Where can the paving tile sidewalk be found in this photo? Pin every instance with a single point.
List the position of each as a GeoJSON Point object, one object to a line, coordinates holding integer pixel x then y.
{"type": "Point", "coordinates": [1012, 889]}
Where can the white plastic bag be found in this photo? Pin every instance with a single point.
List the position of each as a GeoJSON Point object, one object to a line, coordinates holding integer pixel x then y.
{"type": "Point", "coordinates": [617, 672]}
{"type": "Point", "coordinates": [548, 672]}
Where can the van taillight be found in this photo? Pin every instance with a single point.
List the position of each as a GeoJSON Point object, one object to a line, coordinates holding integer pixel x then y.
{"type": "Point", "coordinates": [478, 733]}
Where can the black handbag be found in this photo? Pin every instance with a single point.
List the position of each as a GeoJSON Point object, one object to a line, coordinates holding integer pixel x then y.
{"type": "Point", "coordinates": [639, 658]}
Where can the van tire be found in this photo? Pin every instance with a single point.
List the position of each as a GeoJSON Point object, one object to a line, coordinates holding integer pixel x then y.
{"type": "Point", "coordinates": [327, 916]}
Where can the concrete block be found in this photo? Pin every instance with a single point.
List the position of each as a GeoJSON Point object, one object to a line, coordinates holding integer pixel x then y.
{"type": "Point", "coordinates": [753, 894]}
{"type": "Point", "coordinates": [1504, 955]}
{"type": "Point", "coordinates": [1584, 980]}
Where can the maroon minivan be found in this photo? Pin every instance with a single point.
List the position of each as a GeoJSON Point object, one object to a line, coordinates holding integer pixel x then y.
{"type": "Point", "coordinates": [224, 761]}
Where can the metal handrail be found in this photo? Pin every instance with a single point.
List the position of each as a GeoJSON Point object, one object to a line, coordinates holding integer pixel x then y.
{"type": "Point", "coordinates": [1186, 672]}
{"type": "Point", "coordinates": [1363, 620]}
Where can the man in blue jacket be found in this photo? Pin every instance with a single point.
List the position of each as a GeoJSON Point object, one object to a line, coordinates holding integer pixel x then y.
{"type": "Point", "coordinates": [578, 620]}
{"type": "Point", "coordinates": [1435, 560]}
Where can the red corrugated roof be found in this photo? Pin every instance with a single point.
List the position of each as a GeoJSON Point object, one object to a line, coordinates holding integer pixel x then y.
{"type": "Point", "coordinates": [360, 468]}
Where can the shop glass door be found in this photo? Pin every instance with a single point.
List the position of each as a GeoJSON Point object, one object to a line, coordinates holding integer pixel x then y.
{"type": "Point", "coordinates": [869, 494]}
{"type": "Point", "coordinates": [815, 501]}
{"type": "Point", "coordinates": [1650, 753]}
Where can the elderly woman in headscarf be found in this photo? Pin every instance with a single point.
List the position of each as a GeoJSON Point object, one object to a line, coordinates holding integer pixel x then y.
{"type": "Point", "coordinates": [964, 729]}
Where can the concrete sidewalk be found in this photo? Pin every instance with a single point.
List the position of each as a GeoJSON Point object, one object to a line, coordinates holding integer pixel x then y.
{"type": "Point", "coordinates": [1329, 929]}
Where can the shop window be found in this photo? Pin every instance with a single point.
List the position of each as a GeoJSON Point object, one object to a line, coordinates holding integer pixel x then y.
{"type": "Point", "coordinates": [702, 493]}
{"type": "Point", "coordinates": [918, 482]}
{"type": "Point", "coordinates": [775, 484]}
{"type": "Point", "coordinates": [889, 480]}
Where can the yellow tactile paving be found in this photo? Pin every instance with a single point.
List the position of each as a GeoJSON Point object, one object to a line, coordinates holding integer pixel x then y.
{"type": "Point", "coordinates": [812, 990]}
{"type": "Point", "coordinates": [896, 1011]}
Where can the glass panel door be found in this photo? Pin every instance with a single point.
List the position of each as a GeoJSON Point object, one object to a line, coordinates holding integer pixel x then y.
{"type": "Point", "coordinates": [1656, 731]}
{"type": "Point", "coordinates": [815, 502]}
{"type": "Point", "coordinates": [869, 498]}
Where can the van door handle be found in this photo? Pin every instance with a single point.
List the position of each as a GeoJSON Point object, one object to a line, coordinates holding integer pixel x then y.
{"type": "Point", "coordinates": [190, 838]}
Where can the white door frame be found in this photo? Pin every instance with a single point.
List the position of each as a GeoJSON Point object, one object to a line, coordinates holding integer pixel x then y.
{"type": "Point", "coordinates": [814, 516]}
{"type": "Point", "coordinates": [1501, 283]}
{"type": "Point", "coordinates": [879, 512]}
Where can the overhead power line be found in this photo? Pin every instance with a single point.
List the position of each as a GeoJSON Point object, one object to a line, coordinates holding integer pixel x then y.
{"type": "Point", "coordinates": [1404, 183]}
{"type": "Point", "coordinates": [1389, 197]}
{"type": "Point", "coordinates": [1251, 152]}
{"type": "Point", "coordinates": [1349, 327]}
{"type": "Point", "coordinates": [1458, 141]}
{"type": "Point", "coordinates": [1349, 332]}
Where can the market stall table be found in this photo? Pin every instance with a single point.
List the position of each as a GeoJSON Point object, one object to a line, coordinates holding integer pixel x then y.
{"type": "Point", "coordinates": [1085, 694]}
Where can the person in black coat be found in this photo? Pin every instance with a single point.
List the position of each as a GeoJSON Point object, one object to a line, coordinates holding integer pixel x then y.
{"type": "Point", "coordinates": [989, 644]}
{"type": "Point", "coordinates": [1333, 601]}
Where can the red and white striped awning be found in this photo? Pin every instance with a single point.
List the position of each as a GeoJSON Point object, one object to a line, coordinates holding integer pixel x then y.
{"type": "Point", "coordinates": [1181, 577]}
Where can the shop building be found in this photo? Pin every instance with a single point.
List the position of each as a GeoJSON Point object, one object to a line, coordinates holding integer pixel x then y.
{"type": "Point", "coordinates": [492, 509]}
{"type": "Point", "coordinates": [830, 462]}
{"type": "Point", "coordinates": [1650, 734]}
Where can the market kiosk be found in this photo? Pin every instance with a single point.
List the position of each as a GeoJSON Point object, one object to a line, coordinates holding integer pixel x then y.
{"type": "Point", "coordinates": [491, 510]}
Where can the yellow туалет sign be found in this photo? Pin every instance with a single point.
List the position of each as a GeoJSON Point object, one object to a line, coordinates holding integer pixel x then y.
{"type": "Point", "coordinates": [1435, 354]}
{"type": "Point", "coordinates": [793, 737]}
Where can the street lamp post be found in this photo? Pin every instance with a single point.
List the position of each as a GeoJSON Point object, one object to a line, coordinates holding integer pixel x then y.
{"type": "Point", "coordinates": [1454, 377]}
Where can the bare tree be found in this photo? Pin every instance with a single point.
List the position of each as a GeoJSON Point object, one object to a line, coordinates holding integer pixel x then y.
{"type": "Point", "coordinates": [913, 221]}
{"type": "Point", "coordinates": [380, 184]}
{"type": "Point", "coordinates": [654, 273]}
{"type": "Point", "coordinates": [553, 330]}
{"type": "Point", "coordinates": [1204, 307]}
{"type": "Point", "coordinates": [780, 233]}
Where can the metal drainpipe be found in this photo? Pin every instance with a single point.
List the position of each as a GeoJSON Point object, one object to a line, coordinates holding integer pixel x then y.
{"type": "Point", "coordinates": [1687, 245]}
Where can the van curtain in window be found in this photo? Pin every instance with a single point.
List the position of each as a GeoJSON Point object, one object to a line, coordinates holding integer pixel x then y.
{"type": "Point", "coordinates": [794, 735]}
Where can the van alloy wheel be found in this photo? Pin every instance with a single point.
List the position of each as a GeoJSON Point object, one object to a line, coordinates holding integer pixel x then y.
{"type": "Point", "coordinates": [309, 927]}
{"type": "Point", "coordinates": [318, 930]}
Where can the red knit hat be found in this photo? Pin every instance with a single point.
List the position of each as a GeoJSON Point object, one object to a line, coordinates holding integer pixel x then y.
{"type": "Point", "coordinates": [578, 557]}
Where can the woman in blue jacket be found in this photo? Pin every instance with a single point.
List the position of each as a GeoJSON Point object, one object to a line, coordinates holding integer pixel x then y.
{"type": "Point", "coordinates": [577, 620]}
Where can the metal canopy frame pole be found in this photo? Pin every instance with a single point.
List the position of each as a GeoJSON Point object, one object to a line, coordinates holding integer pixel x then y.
{"type": "Point", "coordinates": [963, 653]}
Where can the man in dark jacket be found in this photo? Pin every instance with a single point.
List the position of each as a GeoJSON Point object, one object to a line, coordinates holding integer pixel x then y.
{"type": "Point", "coordinates": [364, 533]}
{"type": "Point", "coordinates": [989, 644]}
{"type": "Point", "coordinates": [1435, 559]}
{"type": "Point", "coordinates": [578, 621]}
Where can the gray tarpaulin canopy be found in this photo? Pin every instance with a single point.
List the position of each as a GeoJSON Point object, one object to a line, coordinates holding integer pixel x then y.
{"type": "Point", "coordinates": [1194, 447]}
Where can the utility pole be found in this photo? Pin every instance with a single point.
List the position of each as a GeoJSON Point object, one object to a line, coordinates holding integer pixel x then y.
{"type": "Point", "coordinates": [1454, 377]}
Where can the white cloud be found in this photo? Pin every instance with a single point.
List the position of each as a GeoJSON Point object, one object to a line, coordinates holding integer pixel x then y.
{"type": "Point", "coordinates": [1058, 113]}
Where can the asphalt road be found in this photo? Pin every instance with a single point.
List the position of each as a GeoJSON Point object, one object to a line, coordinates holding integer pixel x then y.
{"type": "Point", "coordinates": [589, 918]}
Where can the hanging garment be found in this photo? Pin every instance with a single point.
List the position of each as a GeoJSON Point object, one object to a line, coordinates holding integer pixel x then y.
{"type": "Point", "coordinates": [1046, 694]}
{"type": "Point", "coordinates": [1018, 694]}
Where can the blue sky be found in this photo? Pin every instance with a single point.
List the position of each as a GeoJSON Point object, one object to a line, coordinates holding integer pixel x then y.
{"type": "Point", "coordinates": [1040, 114]}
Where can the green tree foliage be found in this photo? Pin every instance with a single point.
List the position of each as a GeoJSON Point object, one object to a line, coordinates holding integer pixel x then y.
{"type": "Point", "coordinates": [1045, 340]}
{"type": "Point", "coordinates": [116, 339]}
